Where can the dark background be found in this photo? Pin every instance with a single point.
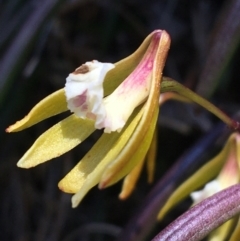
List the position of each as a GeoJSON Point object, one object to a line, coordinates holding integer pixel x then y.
{"type": "Point", "coordinates": [42, 41]}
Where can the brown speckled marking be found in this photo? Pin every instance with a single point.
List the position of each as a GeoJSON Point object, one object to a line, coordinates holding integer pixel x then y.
{"type": "Point", "coordinates": [83, 69]}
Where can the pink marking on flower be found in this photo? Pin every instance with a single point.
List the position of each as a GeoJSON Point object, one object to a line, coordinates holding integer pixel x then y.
{"type": "Point", "coordinates": [80, 99]}
{"type": "Point", "coordinates": [229, 173]}
{"type": "Point", "coordinates": [138, 77]}
{"type": "Point", "coordinates": [133, 91]}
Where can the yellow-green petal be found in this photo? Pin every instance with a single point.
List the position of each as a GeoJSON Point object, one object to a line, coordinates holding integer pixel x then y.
{"type": "Point", "coordinates": [76, 178]}
{"type": "Point", "coordinates": [237, 139]}
{"type": "Point", "coordinates": [151, 105]}
{"type": "Point", "coordinates": [49, 106]}
{"type": "Point", "coordinates": [151, 157]}
{"type": "Point", "coordinates": [88, 171]}
{"type": "Point", "coordinates": [57, 140]}
{"type": "Point", "coordinates": [120, 167]}
{"type": "Point", "coordinates": [236, 233]}
{"type": "Point", "coordinates": [198, 179]}
{"type": "Point", "coordinates": [223, 232]}
{"type": "Point", "coordinates": [93, 178]}
{"type": "Point", "coordinates": [130, 180]}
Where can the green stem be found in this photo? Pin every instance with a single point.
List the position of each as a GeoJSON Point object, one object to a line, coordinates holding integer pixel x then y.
{"type": "Point", "coordinates": [169, 84]}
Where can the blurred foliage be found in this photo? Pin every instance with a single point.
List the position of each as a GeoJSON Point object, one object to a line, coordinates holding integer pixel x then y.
{"type": "Point", "coordinates": [42, 41]}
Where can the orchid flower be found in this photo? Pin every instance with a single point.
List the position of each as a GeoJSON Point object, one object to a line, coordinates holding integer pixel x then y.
{"type": "Point", "coordinates": [122, 99]}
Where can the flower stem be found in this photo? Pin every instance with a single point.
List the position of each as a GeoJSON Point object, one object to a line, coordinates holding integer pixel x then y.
{"type": "Point", "coordinates": [200, 220]}
{"type": "Point", "coordinates": [169, 84]}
